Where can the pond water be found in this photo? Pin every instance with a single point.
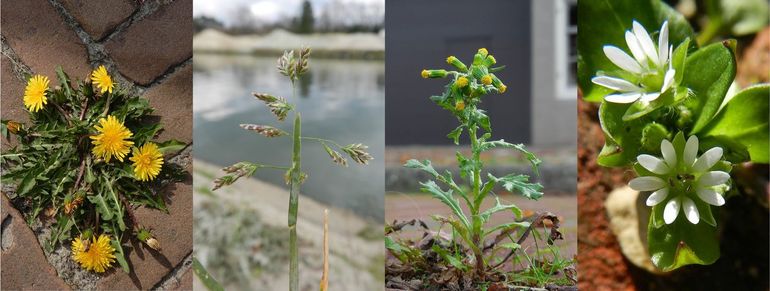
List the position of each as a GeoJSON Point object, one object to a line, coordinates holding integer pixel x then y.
{"type": "Point", "coordinates": [341, 100]}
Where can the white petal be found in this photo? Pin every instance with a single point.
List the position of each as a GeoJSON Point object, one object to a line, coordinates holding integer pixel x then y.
{"type": "Point", "coordinates": [622, 59]}
{"type": "Point", "coordinates": [668, 80]}
{"type": "Point", "coordinates": [646, 42]}
{"type": "Point", "coordinates": [623, 98]}
{"type": "Point", "coordinates": [616, 84]}
{"type": "Point", "coordinates": [671, 210]}
{"type": "Point", "coordinates": [707, 160]}
{"type": "Point", "coordinates": [690, 211]}
{"type": "Point", "coordinates": [690, 151]}
{"type": "Point", "coordinates": [663, 44]}
{"type": "Point", "coordinates": [713, 178]}
{"type": "Point", "coordinates": [647, 97]}
{"type": "Point", "coordinates": [636, 49]}
{"type": "Point", "coordinates": [653, 164]}
{"type": "Point", "coordinates": [711, 197]}
{"type": "Point", "coordinates": [657, 197]}
{"type": "Point", "coordinates": [669, 155]}
{"type": "Point", "coordinates": [647, 183]}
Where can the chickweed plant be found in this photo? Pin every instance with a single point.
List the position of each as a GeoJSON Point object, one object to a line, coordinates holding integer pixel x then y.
{"type": "Point", "coordinates": [668, 112]}
{"type": "Point", "coordinates": [85, 159]}
{"type": "Point", "coordinates": [292, 64]}
{"type": "Point", "coordinates": [468, 86]}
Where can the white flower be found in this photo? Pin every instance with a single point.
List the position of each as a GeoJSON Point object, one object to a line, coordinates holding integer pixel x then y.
{"type": "Point", "coordinates": [680, 179]}
{"type": "Point", "coordinates": [650, 67]}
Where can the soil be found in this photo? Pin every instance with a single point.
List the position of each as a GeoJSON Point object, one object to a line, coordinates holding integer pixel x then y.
{"type": "Point", "coordinates": [743, 264]}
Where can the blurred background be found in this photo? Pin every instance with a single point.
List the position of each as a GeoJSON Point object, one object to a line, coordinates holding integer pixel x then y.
{"type": "Point", "coordinates": [535, 40]}
{"type": "Point", "coordinates": [240, 231]}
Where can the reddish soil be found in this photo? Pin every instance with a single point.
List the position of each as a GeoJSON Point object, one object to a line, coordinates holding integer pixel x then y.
{"type": "Point", "coordinates": [601, 265]}
{"type": "Point", "coordinates": [743, 264]}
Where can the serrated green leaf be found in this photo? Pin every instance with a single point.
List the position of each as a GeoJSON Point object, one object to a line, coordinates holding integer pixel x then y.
{"type": "Point", "coordinates": [519, 184]}
{"type": "Point", "coordinates": [533, 160]}
{"type": "Point", "coordinates": [171, 146]}
{"type": "Point", "coordinates": [424, 165]}
{"type": "Point", "coordinates": [455, 134]}
{"type": "Point", "coordinates": [446, 198]}
{"type": "Point", "coordinates": [499, 207]}
{"type": "Point", "coordinates": [101, 206]}
{"type": "Point", "coordinates": [120, 256]}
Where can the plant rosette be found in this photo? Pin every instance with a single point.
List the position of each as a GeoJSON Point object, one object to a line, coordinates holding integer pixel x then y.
{"type": "Point", "coordinates": [85, 160]}
{"type": "Point", "coordinates": [476, 260]}
{"type": "Point", "coordinates": [662, 103]}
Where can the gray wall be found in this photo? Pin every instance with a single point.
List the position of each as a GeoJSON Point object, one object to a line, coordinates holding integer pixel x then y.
{"type": "Point", "coordinates": [421, 34]}
{"type": "Point", "coordinates": [554, 111]}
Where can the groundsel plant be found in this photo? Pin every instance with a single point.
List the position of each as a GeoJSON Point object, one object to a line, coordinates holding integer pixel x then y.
{"type": "Point", "coordinates": [85, 159]}
{"type": "Point", "coordinates": [468, 85]}
{"type": "Point", "coordinates": [292, 64]}
{"type": "Point", "coordinates": [667, 114]}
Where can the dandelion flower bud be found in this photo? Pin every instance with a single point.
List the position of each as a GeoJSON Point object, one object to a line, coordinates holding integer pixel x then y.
{"type": "Point", "coordinates": [502, 89]}
{"type": "Point", "coordinates": [460, 105]}
{"type": "Point", "coordinates": [486, 80]}
{"type": "Point", "coordinates": [483, 52]}
{"type": "Point", "coordinates": [452, 60]}
{"type": "Point", "coordinates": [433, 73]}
{"type": "Point", "coordinates": [13, 126]}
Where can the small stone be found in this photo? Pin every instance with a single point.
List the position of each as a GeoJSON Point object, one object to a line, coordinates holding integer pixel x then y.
{"type": "Point", "coordinates": [628, 217]}
{"type": "Point", "coordinates": [98, 18]}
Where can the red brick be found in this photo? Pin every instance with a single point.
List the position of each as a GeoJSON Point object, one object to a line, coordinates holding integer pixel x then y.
{"type": "Point", "coordinates": [24, 264]}
{"type": "Point", "coordinates": [172, 230]}
{"type": "Point", "coordinates": [148, 48]}
{"type": "Point", "coordinates": [172, 100]}
{"type": "Point", "coordinates": [100, 17]}
{"type": "Point", "coordinates": [41, 38]}
{"type": "Point", "coordinates": [12, 102]}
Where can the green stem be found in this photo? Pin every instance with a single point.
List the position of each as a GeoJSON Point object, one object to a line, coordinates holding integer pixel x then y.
{"type": "Point", "coordinates": [476, 231]}
{"type": "Point", "coordinates": [295, 174]}
{"type": "Point", "coordinates": [274, 167]}
{"type": "Point", "coordinates": [321, 140]}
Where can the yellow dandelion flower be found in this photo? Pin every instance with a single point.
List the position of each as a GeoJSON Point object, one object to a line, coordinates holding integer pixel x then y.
{"type": "Point", "coordinates": [96, 255]}
{"type": "Point", "coordinates": [425, 74]}
{"type": "Point", "coordinates": [461, 82]}
{"type": "Point", "coordinates": [34, 94]}
{"type": "Point", "coordinates": [111, 140]}
{"type": "Point", "coordinates": [486, 80]}
{"type": "Point", "coordinates": [102, 79]}
{"type": "Point", "coordinates": [147, 161]}
{"type": "Point", "coordinates": [503, 88]}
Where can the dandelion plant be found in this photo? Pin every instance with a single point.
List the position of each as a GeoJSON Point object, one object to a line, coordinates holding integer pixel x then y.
{"type": "Point", "coordinates": [462, 97]}
{"type": "Point", "coordinates": [668, 113]}
{"type": "Point", "coordinates": [85, 159]}
{"type": "Point", "coordinates": [293, 65]}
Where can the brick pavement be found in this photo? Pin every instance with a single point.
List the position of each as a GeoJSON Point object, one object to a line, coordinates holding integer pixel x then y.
{"type": "Point", "coordinates": [147, 46]}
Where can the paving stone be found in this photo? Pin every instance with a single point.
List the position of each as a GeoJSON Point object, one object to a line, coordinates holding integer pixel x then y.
{"type": "Point", "coordinates": [98, 18]}
{"type": "Point", "coordinates": [172, 99]}
{"type": "Point", "coordinates": [167, 30]}
{"type": "Point", "coordinates": [41, 38]}
{"type": "Point", "coordinates": [24, 264]}
{"type": "Point", "coordinates": [12, 102]}
{"type": "Point", "coordinates": [185, 281]}
{"type": "Point", "coordinates": [172, 230]}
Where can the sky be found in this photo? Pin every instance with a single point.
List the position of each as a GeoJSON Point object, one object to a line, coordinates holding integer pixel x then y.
{"type": "Point", "coordinates": [265, 11]}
